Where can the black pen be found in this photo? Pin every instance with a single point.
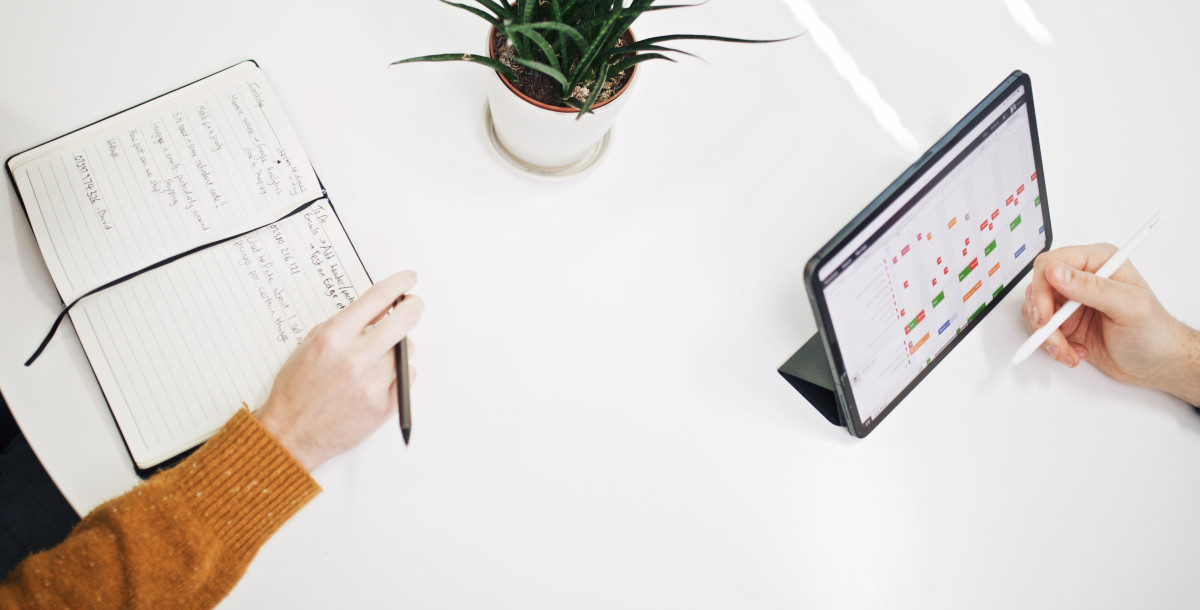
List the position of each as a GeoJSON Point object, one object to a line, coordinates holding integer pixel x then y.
{"type": "Point", "coordinates": [401, 353]}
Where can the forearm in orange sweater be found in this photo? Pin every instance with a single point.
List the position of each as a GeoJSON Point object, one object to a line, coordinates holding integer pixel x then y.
{"type": "Point", "coordinates": [180, 540]}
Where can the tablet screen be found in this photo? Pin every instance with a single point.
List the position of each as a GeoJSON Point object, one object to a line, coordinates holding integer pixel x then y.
{"type": "Point", "coordinates": [945, 247]}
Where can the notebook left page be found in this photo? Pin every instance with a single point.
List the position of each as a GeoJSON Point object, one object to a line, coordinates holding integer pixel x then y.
{"type": "Point", "coordinates": [211, 159]}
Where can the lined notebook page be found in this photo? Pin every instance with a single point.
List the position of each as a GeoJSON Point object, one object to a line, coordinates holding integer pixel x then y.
{"type": "Point", "coordinates": [209, 160]}
{"type": "Point", "coordinates": [179, 349]}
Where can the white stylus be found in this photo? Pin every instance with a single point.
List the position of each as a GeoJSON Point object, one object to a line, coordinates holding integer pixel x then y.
{"type": "Point", "coordinates": [1105, 271]}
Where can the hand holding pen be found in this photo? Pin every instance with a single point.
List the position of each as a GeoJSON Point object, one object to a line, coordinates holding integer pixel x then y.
{"type": "Point", "coordinates": [341, 383]}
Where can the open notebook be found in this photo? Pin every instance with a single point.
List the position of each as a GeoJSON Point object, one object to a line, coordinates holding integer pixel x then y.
{"type": "Point", "coordinates": [178, 348]}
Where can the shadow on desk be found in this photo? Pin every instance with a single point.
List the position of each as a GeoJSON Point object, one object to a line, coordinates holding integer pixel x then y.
{"type": "Point", "coordinates": [34, 515]}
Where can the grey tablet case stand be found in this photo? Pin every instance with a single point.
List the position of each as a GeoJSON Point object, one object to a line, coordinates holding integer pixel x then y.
{"type": "Point", "coordinates": [808, 371]}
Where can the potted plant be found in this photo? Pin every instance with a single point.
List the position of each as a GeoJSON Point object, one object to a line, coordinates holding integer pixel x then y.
{"type": "Point", "coordinates": [563, 70]}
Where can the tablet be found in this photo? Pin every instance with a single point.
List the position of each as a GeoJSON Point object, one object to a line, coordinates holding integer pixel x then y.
{"type": "Point", "coordinates": [931, 256]}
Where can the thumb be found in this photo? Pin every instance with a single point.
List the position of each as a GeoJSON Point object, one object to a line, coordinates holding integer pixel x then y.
{"type": "Point", "coordinates": [1113, 299]}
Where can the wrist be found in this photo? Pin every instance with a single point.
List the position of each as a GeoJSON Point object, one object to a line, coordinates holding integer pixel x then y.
{"type": "Point", "coordinates": [1182, 378]}
{"type": "Point", "coordinates": [286, 435]}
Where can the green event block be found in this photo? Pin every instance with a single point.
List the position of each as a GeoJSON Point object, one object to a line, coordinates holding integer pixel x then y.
{"type": "Point", "coordinates": [915, 321]}
{"type": "Point", "coordinates": [938, 299]}
{"type": "Point", "coordinates": [977, 312]}
{"type": "Point", "coordinates": [1037, 201]}
{"type": "Point", "coordinates": [1014, 224]}
{"type": "Point", "coordinates": [962, 275]}
{"type": "Point", "coordinates": [996, 292]}
{"type": "Point", "coordinates": [988, 248]}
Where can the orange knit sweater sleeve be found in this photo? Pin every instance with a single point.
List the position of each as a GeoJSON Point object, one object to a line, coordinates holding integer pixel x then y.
{"type": "Point", "coordinates": [182, 539]}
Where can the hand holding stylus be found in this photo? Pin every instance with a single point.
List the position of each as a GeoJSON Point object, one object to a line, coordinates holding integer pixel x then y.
{"type": "Point", "coordinates": [1120, 327]}
{"type": "Point", "coordinates": [1065, 310]}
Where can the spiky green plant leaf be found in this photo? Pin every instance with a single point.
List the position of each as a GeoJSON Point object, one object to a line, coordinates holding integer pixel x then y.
{"type": "Point", "coordinates": [597, 88]}
{"type": "Point", "coordinates": [477, 12]}
{"type": "Point", "coordinates": [500, 10]}
{"type": "Point", "coordinates": [574, 42]}
{"type": "Point", "coordinates": [467, 57]}
{"type": "Point", "coordinates": [630, 62]}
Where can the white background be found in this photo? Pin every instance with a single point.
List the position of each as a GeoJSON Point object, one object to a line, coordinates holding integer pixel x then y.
{"type": "Point", "coordinates": [598, 420]}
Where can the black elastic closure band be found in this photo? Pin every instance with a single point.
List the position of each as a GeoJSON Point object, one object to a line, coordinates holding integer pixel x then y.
{"type": "Point", "coordinates": [67, 307]}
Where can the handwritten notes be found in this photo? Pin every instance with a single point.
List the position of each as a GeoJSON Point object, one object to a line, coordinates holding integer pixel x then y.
{"type": "Point", "coordinates": [91, 193]}
{"type": "Point", "coordinates": [179, 171]}
{"type": "Point", "coordinates": [183, 346]}
{"type": "Point", "coordinates": [177, 349]}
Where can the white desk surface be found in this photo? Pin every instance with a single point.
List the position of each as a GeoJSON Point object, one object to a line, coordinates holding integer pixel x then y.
{"type": "Point", "coordinates": [598, 420]}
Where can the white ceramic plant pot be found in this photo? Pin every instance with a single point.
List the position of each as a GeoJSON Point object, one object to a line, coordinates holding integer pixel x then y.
{"type": "Point", "coordinates": [547, 137]}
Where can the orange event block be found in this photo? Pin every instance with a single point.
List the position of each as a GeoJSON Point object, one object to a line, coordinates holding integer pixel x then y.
{"type": "Point", "coordinates": [971, 293]}
{"type": "Point", "coordinates": [916, 346]}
